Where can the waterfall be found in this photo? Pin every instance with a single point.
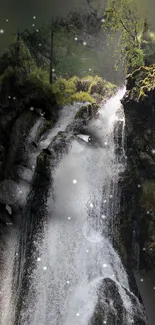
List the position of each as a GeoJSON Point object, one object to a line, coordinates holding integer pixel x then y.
{"type": "Point", "coordinates": [76, 253]}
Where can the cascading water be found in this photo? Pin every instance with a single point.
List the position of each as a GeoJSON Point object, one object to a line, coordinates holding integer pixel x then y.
{"type": "Point", "coordinates": [76, 252]}
{"type": "Point", "coordinates": [66, 117]}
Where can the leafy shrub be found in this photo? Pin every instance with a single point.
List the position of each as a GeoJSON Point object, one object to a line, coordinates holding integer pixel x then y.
{"type": "Point", "coordinates": [96, 86]}
{"type": "Point", "coordinates": [82, 97]}
{"type": "Point", "coordinates": [65, 86]}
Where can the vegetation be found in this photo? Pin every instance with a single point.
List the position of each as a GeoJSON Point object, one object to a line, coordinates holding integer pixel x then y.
{"type": "Point", "coordinates": [81, 90]}
{"type": "Point", "coordinates": [148, 45]}
{"type": "Point", "coordinates": [78, 47]}
{"type": "Point", "coordinates": [22, 78]}
{"type": "Point", "coordinates": [123, 17]}
{"type": "Point", "coordinates": [141, 82]}
{"type": "Point", "coordinates": [22, 83]}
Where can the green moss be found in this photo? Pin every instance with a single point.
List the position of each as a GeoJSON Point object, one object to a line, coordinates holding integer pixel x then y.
{"type": "Point", "coordinates": [82, 97]}
{"type": "Point", "coordinates": [152, 36]}
{"type": "Point", "coordinates": [96, 86]}
{"type": "Point", "coordinates": [102, 87]}
{"type": "Point", "coordinates": [65, 86]}
{"type": "Point", "coordinates": [81, 90]}
{"type": "Point", "coordinates": [141, 82]}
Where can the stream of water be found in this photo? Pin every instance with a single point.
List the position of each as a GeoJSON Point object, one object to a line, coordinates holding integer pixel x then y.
{"type": "Point", "coordinates": [76, 253]}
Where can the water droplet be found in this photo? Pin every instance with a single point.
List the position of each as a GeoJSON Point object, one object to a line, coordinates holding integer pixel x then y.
{"type": "Point", "coordinates": [74, 181]}
{"type": "Point", "coordinates": [91, 205]}
{"type": "Point", "coordinates": [1, 31]}
{"type": "Point", "coordinates": [111, 196]}
{"type": "Point", "coordinates": [153, 151]}
{"type": "Point", "coordinates": [141, 280]}
{"type": "Point", "coordinates": [84, 43]}
{"type": "Point", "coordinates": [104, 265]}
{"type": "Point", "coordinates": [68, 282]}
{"type": "Point", "coordinates": [76, 38]}
{"type": "Point", "coordinates": [77, 314]}
{"type": "Point", "coordinates": [69, 218]}
{"type": "Point", "coordinates": [105, 201]}
{"type": "Point", "coordinates": [34, 17]}
{"type": "Point", "coordinates": [138, 185]}
{"type": "Point", "coordinates": [38, 259]}
{"type": "Point", "coordinates": [45, 268]}
{"type": "Point", "coordinates": [7, 20]}
{"type": "Point", "coordinates": [103, 216]}
{"type": "Point", "coordinates": [105, 143]}
{"type": "Point", "coordinates": [31, 108]}
{"type": "Point", "coordinates": [87, 251]}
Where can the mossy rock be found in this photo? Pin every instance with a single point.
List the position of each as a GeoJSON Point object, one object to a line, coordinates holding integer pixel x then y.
{"type": "Point", "coordinates": [88, 89]}
{"type": "Point", "coordinates": [97, 86]}
{"type": "Point", "coordinates": [102, 87]}
{"type": "Point", "coordinates": [87, 111]}
{"type": "Point", "coordinates": [84, 84]}
{"type": "Point", "coordinates": [141, 82]}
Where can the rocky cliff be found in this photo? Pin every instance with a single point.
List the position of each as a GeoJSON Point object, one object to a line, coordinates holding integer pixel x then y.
{"type": "Point", "coordinates": [138, 185]}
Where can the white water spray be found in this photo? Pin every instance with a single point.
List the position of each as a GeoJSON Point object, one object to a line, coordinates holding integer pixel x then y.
{"type": "Point", "coordinates": [76, 254]}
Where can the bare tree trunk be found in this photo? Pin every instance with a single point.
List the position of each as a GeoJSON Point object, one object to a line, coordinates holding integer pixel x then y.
{"type": "Point", "coordinates": [51, 54]}
{"type": "Point", "coordinates": [18, 49]}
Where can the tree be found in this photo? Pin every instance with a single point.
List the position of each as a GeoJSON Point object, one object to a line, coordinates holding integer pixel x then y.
{"type": "Point", "coordinates": [61, 45]}
{"type": "Point", "coordinates": [123, 17]}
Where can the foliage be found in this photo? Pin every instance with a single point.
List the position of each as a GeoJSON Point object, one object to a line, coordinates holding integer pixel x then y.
{"type": "Point", "coordinates": [76, 89]}
{"type": "Point", "coordinates": [82, 97]}
{"type": "Point", "coordinates": [123, 17]}
{"type": "Point", "coordinates": [148, 46]}
{"type": "Point", "coordinates": [102, 87]}
{"type": "Point", "coordinates": [9, 58]}
{"type": "Point", "coordinates": [27, 84]}
{"type": "Point", "coordinates": [70, 55]}
{"type": "Point", "coordinates": [141, 82]}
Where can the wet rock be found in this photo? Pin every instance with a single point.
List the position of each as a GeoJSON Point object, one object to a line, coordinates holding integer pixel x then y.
{"type": "Point", "coordinates": [110, 308]}
{"type": "Point", "coordinates": [139, 102]}
{"type": "Point", "coordinates": [87, 111]}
